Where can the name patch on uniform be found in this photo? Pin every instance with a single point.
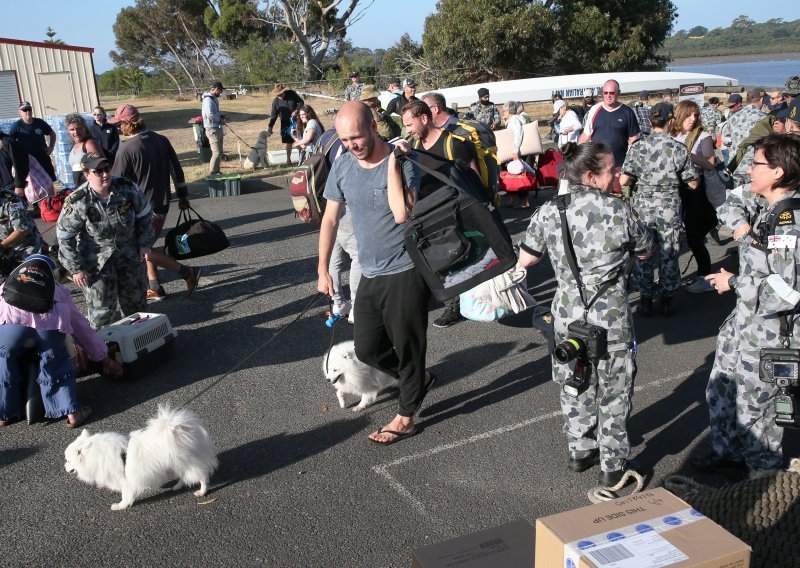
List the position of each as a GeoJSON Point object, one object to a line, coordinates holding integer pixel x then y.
{"type": "Point", "coordinates": [121, 210]}
{"type": "Point", "coordinates": [782, 241]}
{"type": "Point", "coordinates": [786, 218]}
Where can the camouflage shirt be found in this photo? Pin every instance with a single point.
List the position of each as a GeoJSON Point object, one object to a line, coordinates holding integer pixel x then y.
{"type": "Point", "coordinates": [15, 217]}
{"type": "Point", "coordinates": [487, 114]}
{"type": "Point", "coordinates": [710, 117]}
{"type": "Point", "coordinates": [659, 164]}
{"type": "Point", "coordinates": [353, 91]}
{"type": "Point", "coordinates": [90, 230]}
{"type": "Point", "coordinates": [604, 233]}
{"type": "Point", "coordinates": [741, 123]}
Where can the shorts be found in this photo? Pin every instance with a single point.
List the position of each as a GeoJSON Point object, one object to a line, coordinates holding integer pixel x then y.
{"type": "Point", "coordinates": [157, 221]}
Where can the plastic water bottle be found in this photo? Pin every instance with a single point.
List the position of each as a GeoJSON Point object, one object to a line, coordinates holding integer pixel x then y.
{"type": "Point", "coordinates": [182, 244]}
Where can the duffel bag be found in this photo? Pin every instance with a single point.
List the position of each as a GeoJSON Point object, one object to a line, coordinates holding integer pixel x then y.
{"type": "Point", "coordinates": [525, 181]}
{"type": "Point", "coordinates": [192, 238]}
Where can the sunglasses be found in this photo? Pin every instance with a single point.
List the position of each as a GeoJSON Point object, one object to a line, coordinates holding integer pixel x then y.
{"type": "Point", "coordinates": [609, 92]}
{"type": "Point", "coordinates": [98, 114]}
{"type": "Point", "coordinates": [101, 171]}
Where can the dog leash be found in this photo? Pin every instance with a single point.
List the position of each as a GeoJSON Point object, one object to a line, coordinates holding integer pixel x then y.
{"type": "Point", "coordinates": [256, 350]}
{"type": "Point", "coordinates": [239, 137]}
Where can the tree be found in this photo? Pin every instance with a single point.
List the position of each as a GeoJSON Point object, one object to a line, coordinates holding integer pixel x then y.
{"type": "Point", "coordinates": [51, 37]}
{"type": "Point", "coordinates": [405, 58]}
{"type": "Point", "coordinates": [698, 31]}
{"type": "Point", "coordinates": [316, 25]}
{"type": "Point", "coordinates": [235, 22]}
{"type": "Point", "coordinates": [743, 24]}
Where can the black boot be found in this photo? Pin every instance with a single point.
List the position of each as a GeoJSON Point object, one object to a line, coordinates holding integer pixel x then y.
{"type": "Point", "coordinates": [646, 306]}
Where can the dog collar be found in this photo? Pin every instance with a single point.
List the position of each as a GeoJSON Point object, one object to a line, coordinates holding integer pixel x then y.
{"type": "Point", "coordinates": [334, 381]}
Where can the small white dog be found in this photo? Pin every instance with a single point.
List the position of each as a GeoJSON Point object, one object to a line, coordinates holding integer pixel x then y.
{"type": "Point", "coordinates": [174, 444]}
{"type": "Point", "coordinates": [348, 375]}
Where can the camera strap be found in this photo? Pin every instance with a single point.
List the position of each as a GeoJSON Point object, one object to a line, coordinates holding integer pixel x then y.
{"type": "Point", "coordinates": [572, 260]}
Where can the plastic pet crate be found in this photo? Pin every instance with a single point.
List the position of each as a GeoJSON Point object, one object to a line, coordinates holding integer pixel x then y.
{"type": "Point", "coordinates": [141, 342]}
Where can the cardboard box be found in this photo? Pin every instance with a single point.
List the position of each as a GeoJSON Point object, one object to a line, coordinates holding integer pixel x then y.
{"type": "Point", "coordinates": [651, 529]}
{"type": "Point", "coordinates": [507, 546]}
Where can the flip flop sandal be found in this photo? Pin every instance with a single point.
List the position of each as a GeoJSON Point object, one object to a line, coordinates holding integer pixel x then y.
{"type": "Point", "coordinates": [82, 416]}
{"type": "Point", "coordinates": [397, 436]}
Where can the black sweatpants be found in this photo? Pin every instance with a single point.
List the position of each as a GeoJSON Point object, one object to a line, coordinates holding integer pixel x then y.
{"type": "Point", "coordinates": [391, 315]}
{"type": "Point", "coordinates": [699, 217]}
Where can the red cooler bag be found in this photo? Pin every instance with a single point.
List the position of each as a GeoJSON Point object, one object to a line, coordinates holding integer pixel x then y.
{"type": "Point", "coordinates": [525, 181]}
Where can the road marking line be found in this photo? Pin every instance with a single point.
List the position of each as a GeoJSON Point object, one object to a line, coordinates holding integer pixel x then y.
{"type": "Point", "coordinates": [382, 469]}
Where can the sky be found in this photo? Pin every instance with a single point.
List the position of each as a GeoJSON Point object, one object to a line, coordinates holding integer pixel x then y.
{"type": "Point", "coordinates": [95, 28]}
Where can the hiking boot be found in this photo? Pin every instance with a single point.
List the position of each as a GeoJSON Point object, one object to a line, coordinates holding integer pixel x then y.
{"type": "Point", "coordinates": [156, 295]}
{"type": "Point", "coordinates": [645, 306]}
{"type": "Point", "coordinates": [582, 464]}
{"type": "Point", "coordinates": [450, 316]}
{"type": "Point", "coordinates": [667, 305]}
{"type": "Point", "coordinates": [192, 281]}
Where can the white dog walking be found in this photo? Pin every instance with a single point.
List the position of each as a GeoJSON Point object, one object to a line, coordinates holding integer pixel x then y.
{"type": "Point", "coordinates": [348, 375]}
{"type": "Point", "coordinates": [175, 443]}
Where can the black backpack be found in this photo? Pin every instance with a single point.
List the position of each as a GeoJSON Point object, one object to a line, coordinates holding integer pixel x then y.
{"type": "Point", "coordinates": [31, 287]}
{"type": "Point", "coordinates": [455, 236]}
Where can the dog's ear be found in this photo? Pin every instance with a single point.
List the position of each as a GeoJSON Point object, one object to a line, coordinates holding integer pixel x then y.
{"type": "Point", "coordinates": [84, 433]}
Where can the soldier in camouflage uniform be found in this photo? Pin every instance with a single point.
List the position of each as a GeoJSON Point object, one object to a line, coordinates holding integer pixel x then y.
{"type": "Point", "coordinates": [604, 233]}
{"type": "Point", "coordinates": [353, 91]}
{"type": "Point", "coordinates": [485, 111]}
{"type": "Point", "coordinates": [659, 164]}
{"type": "Point", "coordinates": [741, 405]}
{"type": "Point", "coordinates": [19, 237]}
{"type": "Point", "coordinates": [710, 116]}
{"type": "Point", "coordinates": [741, 124]}
{"type": "Point", "coordinates": [104, 234]}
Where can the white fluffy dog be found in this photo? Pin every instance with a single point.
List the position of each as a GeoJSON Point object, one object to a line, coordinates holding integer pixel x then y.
{"type": "Point", "coordinates": [348, 375]}
{"type": "Point", "coordinates": [174, 444]}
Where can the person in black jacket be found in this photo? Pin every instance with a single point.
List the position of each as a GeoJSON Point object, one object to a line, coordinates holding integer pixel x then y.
{"type": "Point", "coordinates": [396, 105]}
{"type": "Point", "coordinates": [106, 134]}
{"type": "Point", "coordinates": [285, 106]}
{"type": "Point", "coordinates": [12, 155]}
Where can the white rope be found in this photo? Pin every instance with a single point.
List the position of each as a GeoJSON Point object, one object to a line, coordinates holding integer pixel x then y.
{"type": "Point", "coordinates": [601, 494]}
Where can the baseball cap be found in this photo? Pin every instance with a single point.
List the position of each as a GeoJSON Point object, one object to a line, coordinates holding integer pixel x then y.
{"type": "Point", "coordinates": [92, 161]}
{"type": "Point", "coordinates": [588, 93]}
{"type": "Point", "coordinates": [354, 74]}
{"type": "Point", "coordinates": [369, 92]}
{"type": "Point", "coordinates": [25, 105]}
{"type": "Point", "coordinates": [644, 94]}
{"type": "Point", "coordinates": [661, 111]}
{"type": "Point", "coordinates": [557, 105]}
{"type": "Point", "coordinates": [124, 113]}
{"type": "Point", "coordinates": [409, 83]}
{"type": "Point", "coordinates": [217, 85]}
{"type": "Point", "coordinates": [735, 99]}
{"type": "Point", "coordinates": [781, 114]}
{"type": "Point", "coordinates": [483, 92]}
{"type": "Point", "coordinates": [794, 110]}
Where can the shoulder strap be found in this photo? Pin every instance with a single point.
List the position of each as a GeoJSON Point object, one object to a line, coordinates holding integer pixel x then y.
{"type": "Point", "coordinates": [691, 139]}
{"type": "Point", "coordinates": [330, 143]}
{"type": "Point", "coordinates": [438, 175]}
{"type": "Point", "coordinates": [448, 145]}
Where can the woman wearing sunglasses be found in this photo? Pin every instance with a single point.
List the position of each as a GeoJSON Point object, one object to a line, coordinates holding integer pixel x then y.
{"type": "Point", "coordinates": [105, 133]}
{"type": "Point", "coordinates": [104, 235]}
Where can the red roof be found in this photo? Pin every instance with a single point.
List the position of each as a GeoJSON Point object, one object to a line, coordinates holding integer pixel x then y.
{"type": "Point", "coordinates": [47, 45]}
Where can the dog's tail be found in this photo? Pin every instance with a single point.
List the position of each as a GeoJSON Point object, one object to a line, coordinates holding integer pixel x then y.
{"type": "Point", "coordinates": [182, 427]}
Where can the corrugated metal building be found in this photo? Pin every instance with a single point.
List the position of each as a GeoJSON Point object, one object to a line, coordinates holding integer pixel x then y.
{"type": "Point", "coordinates": [56, 79]}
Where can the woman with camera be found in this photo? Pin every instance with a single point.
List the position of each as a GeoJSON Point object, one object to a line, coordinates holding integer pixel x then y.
{"type": "Point", "coordinates": [590, 235]}
{"type": "Point", "coordinates": [749, 397]}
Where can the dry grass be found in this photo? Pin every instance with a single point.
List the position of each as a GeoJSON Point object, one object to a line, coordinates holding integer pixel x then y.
{"type": "Point", "coordinates": [247, 116]}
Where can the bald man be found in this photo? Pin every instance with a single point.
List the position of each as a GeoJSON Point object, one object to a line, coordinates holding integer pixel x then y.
{"type": "Point", "coordinates": [391, 309]}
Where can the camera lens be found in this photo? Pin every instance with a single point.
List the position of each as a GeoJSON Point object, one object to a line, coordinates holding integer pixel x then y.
{"type": "Point", "coordinates": [570, 349]}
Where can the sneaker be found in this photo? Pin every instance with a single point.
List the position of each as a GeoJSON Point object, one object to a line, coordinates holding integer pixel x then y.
{"type": "Point", "coordinates": [699, 286]}
{"type": "Point", "coordinates": [156, 295]}
{"type": "Point", "coordinates": [450, 316]}
{"type": "Point", "coordinates": [192, 281]}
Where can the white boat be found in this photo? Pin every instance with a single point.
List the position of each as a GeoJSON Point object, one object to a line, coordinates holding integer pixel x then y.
{"type": "Point", "coordinates": [572, 86]}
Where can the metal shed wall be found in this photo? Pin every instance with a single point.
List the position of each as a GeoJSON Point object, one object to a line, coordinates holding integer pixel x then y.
{"type": "Point", "coordinates": [36, 63]}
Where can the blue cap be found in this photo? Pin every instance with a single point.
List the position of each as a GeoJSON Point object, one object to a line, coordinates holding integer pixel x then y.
{"type": "Point", "coordinates": [50, 262]}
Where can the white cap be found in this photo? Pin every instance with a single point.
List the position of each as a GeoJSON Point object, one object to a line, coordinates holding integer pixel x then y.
{"type": "Point", "coordinates": [557, 105]}
{"type": "Point", "coordinates": [588, 93]}
{"type": "Point", "coordinates": [515, 167]}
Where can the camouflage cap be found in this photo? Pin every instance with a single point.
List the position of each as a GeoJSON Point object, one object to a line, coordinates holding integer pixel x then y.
{"type": "Point", "coordinates": [369, 92]}
{"type": "Point", "coordinates": [792, 86]}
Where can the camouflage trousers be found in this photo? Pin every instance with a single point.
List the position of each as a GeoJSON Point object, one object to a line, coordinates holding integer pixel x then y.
{"type": "Point", "coordinates": [598, 418]}
{"type": "Point", "coordinates": [741, 406]}
{"type": "Point", "coordinates": [667, 245]}
{"type": "Point", "coordinates": [122, 281]}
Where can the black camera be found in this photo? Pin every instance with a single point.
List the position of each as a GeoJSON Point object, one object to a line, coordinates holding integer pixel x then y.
{"type": "Point", "coordinates": [782, 367]}
{"type": "Point", "coordinates": [584, 342]}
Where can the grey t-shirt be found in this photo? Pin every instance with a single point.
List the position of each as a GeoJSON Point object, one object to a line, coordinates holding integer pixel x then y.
{"type": "Point", "coordinates": [379, 237]}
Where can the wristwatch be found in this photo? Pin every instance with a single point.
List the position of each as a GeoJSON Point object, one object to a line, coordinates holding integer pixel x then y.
{"type": "Point", "coordinates": [732, 281]}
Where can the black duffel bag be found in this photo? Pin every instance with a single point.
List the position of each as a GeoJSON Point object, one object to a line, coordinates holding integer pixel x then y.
{"type": "Point", "coordinates": [191, 238]}
{"type": "Point", "coordinates": [455, 236]}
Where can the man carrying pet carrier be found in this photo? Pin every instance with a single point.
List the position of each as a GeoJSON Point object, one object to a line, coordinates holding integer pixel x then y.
{"type": "Point", "coordinates": [391, 311]}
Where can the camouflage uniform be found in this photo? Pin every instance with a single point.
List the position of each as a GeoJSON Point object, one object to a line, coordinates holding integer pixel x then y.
{"type": "Point", "coordinates": [710, 118]}
{"type": "Point", "coordinates": [381, 121]}
{"type": "Point", "coordinates": [742, 412]}
{"type": "Point", "coordinates": [353, 91]}
{"type": "Point", "coordinates": [15, 217]}
{"type": "Point", "coordinates": [659, 165]}
{"type": "Point", "coordinates": [741, 123]}
{"type": "Point", "coordinates": [487, 114]}
{"type": "Point", "coordinates": [103, 240]}
{"type": "Point", "coordinates": [604, 233]}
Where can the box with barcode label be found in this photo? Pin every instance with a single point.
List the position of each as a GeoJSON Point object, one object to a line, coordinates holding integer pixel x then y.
{"type": "Point", "coordinates": [651, 529]}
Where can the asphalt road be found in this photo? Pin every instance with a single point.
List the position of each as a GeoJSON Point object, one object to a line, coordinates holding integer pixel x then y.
{"type": "Point", "coordinates": [299, 484]}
